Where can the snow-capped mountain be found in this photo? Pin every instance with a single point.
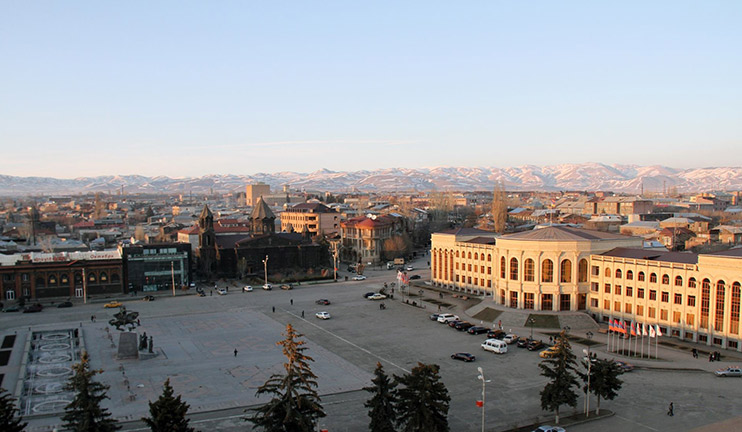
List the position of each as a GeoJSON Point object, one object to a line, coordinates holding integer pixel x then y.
{"type": "Point", "coordinates": [587, 176]}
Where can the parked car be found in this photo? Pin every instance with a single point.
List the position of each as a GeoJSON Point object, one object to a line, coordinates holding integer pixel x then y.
{"type": "Point", "coordinates": [434, 317]}
{"type": "Point", "coordinates": [413, 277]}
{"type": "Point", "coordinates": [628, 367]}
{"type": "Point", "coordinates": [148, 298]}
{"type": "Point", "coordinates": [409, 268]}
{"type": "Point", "coordinates": [201, 293]}
{"type": "Point", "coordinates": [12, 309]}
{"type": "Point", "coordinates": [453, 323]}
{"type": "Point", "coordinates": [287, 287]}
{"type": "Point", "coordinates": [113, 304]}
{"type": "Point", "coordinates": [247, 288]}
{"type": "Point", "coordinates": [548, 352]}
{"type": "Point", "coordinates": [535, 345]}
{"type": "Point", "coordinates": [523, 343]}
{"type": "Point", "coordinates": [549, 429]}
{"type": "Point", "coordinates": [495, 345]}
{"type": "Point", "coordinates": [322, 315]}
{"type": "Point", "coordinates": [447, 317]}
{"type": "Point", "coordinates": [323, 302]}
{"type": "Point", "coordinates": [267, 287]}
{"type": "Point", "coordinates": [221, 291]}
{"type": "Point", "coordinates": [376, 296]}
{"type": "Point", "coordinates": [496, 334]}
{"type": "Point", "coordinates": [65, 304]}
{"type": "Point", "coordinates": [463, 356]}
{"type": "Point", "coordinates": [475, 330]}
{"type": "Point", "coordinates": [359, 277]}
{"type": "Point", "coordinates": [510, 338]}
{"type": "Point", "coordinates": [463, 326]}
{"type": "Point", "coordinates": [368, 294]}
{"type": "Point", "coordinates": [729, 372]}
{"type": "Point", "coordinates": [36, 307]}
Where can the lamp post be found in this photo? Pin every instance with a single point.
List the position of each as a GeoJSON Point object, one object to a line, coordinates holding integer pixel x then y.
{"type": "Point", "coordinates": [265, 267]}
{"type": "Point", "coordinates": [481, 377]}
{"type": "Point", "coordinates": [172, 275]}
{"type": "Point", "coordinates": [531, 321]}
{"type": "Point", "coordinates": [589, 367]}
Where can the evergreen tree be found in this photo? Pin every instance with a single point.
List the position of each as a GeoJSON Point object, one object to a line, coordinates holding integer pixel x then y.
{"type": "Point", "coordinates": [168, 413]}
{"type": "Point", "coordinates": [382, 413]}
{"type": "Point", "coordinates": [295, 405]}
{"type": "Point", "coordinates": [84, 413]}
{"type": "Point", "coordinates": [9, 420]}
{"type": "Point", "coordinates": [499, 208]}
{"type": "Point", "coordinates": [422, 400]}
{"type": "Point", "coordinates": [604, 381]}
{"type": "Point", "coordinates": [560, 369]}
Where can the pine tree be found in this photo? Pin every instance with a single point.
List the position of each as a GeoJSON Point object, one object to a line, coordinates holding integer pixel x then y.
{"type": "Point", "coordinates": [295, 405]}
{"type": "Point", "coordinates": [382, 413]}
{"type": "Point", "coordinates": [422, 400]}
{"type": "Point", "coordinates": [9, 420]}
{"type": "Point", "coordinates": [560, 369]}
{"type": "Point", "coordinates": [604, 381]}
{"type": "Point", "coordinates": [84, 413]}
{"type": "Point", "coordinates": [168, 413]}
{"type": "Point", "coordinates": [499, 208]}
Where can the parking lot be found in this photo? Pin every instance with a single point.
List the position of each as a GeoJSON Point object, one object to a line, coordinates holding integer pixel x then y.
{"type": "Point", "coordinates": [196, 336]}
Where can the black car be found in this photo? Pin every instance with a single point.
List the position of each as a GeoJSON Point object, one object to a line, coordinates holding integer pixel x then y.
{"type": "Point", "coordinates": [65, 304]}
{"type": "Point", "coordinates": [434, 317]}
{"type": "Point", "coordinates": [463, 357]}
{"type": "Point", "coordinates": [413, 277]}
{"type": "Point", "coordinates": [323, 302]}
{"type": "Point", "coordinates": [475, 330]}
{"type": "Point", "coordinates": [33, 308]}
{"type": "Point", "coordinates": [496, 334]}
{"type": "Point", "coordinates": [523, 343]}
{"type": "Point", "coordinates": [454, 323]}
{"type": "Point", "coordinates": [463, 325]}
{"type": "Point", "coordinates": [12, 309]}
{"type": "Point", "coordinates": [535, 345]}
{"type": "Point", "coordinates": [148, 298]}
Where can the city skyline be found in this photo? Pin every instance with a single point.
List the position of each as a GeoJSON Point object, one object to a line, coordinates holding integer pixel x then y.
{"type": "Point", "coordinates": [186, 90]}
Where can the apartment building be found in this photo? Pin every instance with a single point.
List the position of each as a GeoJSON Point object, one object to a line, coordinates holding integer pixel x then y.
{"type": "Point", "coordinates": [316, 217]}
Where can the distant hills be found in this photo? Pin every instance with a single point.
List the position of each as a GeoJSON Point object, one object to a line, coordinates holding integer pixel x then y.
{"type": "Point", "coordinates": [587, 176]}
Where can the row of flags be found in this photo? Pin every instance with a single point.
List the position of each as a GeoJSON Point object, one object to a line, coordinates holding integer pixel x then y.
{"type": "Point", "coordinates": [403, 278]}
{"type": "Point", "coordinates": [635, 329]}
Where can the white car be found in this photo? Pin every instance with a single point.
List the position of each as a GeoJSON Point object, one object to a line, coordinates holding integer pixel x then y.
{"type": "Point", "coordinates": [447, 318]}
{"type": "Point", "coordinates": [267, 287]}
{"type": "Point", "coordinates": [510, 338]}
{"type": "Point", "coordinates": [359, 277]}
{"type": "Point", "coordinates": [409, 268]}
{"type": "Point", "coordinates": [221, 291]}
{"type": "Point", "coordinates": [247, 288]}
{"type": "Point", "coordinates": [549, 429]}
{"type": "Point", "coordinates": [376, 296]}
{"type": "Point", "coordinates": [322, 315]}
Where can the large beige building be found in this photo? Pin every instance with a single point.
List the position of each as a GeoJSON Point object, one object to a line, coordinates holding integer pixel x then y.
{"type": "Point", "coordinates": [316, 217]}
{"type": "Point", "coordinates": [253, 192]}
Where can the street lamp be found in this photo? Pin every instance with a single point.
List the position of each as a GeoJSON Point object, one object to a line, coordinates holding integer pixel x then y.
{"type": "Point", "coordinates": [481, 377]}
{"type": "Point", "coordinates": [589, 367]}
{"type": "Point", "coordinates": [265, 266]}
{"type": "Point", "coordinates": [531, 321]}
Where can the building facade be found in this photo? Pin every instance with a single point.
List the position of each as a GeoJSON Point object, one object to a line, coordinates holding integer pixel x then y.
{"type": "Point", "coordinates": [154, 267]}
{"type": "Point", "coordinates": [253, 192]}
{"type": "Point", "coordinates": [316, 217]}
{"type": "Point", "coordinates": [363, 238]}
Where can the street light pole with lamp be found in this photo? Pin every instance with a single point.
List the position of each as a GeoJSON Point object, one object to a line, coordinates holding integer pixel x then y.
{"type": "Point", "coordinates": [265, 267]}
{"type": "Point", "coordinates": [589, 367]}
{"type": "Point", "coordinates": [481, 377]}
{"type": "Point", "coordinates": [531, 321]}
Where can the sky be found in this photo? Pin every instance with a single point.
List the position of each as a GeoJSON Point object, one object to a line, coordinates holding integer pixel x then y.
{"type": "Point", "coordinates": [184, 88]}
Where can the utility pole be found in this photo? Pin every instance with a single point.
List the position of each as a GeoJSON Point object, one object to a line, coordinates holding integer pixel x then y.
{"type": "Point", "coordinates": [172, 275]}
{"type": "Point", "coordinates": [265, 266]}
{"type": "Point", "coordinates": [335, 249]}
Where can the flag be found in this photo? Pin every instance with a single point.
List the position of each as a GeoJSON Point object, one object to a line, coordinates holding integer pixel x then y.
{"type": "Point", "coordinates": [633, 329]}
{"type": "Point", "coordinates": [622, 327]}
{"type": "Point", "coordinates": [642, 329]}
{"type": "Point", "coordinates": [611, 327]}
{"type": "Point", "coordinates": [659, 332]}
{"type": "Point", "coordinates": [652, 333]}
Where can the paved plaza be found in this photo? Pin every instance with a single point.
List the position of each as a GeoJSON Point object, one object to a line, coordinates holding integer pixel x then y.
{"type": "Point", "coordinates": [195, 338]}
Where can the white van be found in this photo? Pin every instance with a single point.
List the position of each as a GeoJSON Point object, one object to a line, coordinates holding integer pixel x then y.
{"type": "Point", "coordinates": [495, 345]}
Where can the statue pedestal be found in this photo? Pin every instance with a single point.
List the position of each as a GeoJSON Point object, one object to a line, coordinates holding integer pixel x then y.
{"type": "Point", "coordinates": [128, 346]}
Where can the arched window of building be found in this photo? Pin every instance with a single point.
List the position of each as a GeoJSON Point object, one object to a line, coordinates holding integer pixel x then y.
{"type": "Point", "coordinates": [115, 278]}
{"type": "Point", "coordinates": [476, 256]}
{"type": "Point", "coordinates": [469, 255]}
{"type": "Point", "coordinates": [653, 277]}
{"type": "Point", "coordinates": [705, 302]}
{"type": "Point", "coordinates": [692, 282]}
{"type": "Point", "coordinates": [40, 281]}
{"type": "Point", "coordinates": [52, 280]}
{"type": "Point", "coordinates": [513, 268]}
{"type": "Point", "coordinates": [103, 277]}
{"type": "Point", "coordinates": [719, 316]}
{"type": "Point", "coordinates": [665, 279]}
{"type": "Point", "coordinates": [547, 271]}
{"type": "Point", "coordinates": [678, 281]}
{"type": "Point", "coordinates": [582, 271]}
{"type": "Point", "coordinates": [629, 275]}
{"type": "Point", "coordinates": [565, 271]}
{"type": "Point", "coordinates": [92, 277]}
{"type": "Point", "coordinates": [528, 274]}
{"type": "Point", "coordinates": [734, 316]}
{"type": "Point", "coordinates": [457, 254]}
{"type": "Point", "coordinates": [619, 274]}
{"type": "Point", "coordinates": [640, 277]}
{"type": "Point", "coordinates": [607, 272]}
{"type": "Point", "coordinates": [64, 279]}
{"type": "Point", "coordinates": [489, 257]}
{"type": "Point", "coordinates": [502, 267]}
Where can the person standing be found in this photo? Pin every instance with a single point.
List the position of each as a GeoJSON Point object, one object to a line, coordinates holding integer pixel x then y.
{"type": "Point", "coordinates": [670, 410]}
{"type": "Point", "coordinates": [292, 302]}
{"type": "Point", "coordinates": [302, 314]}
{"type": "Point", "coordinates": [235, 352]}
{"type": "Point", "coordinates": [274, 309]}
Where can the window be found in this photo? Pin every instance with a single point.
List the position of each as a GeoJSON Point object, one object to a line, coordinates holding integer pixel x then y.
{"type": "Point", "coordinates": [639, 310]}
{"type": "Point", "coordinates": [489, 270]}
{"type": "Point", "coordinates": [690, 319]}
{"type": "Point", "coordinates": [457, 254]}
{"type": "Point", "coordinates": [594, 287]}
{"type": "Point", "coordinates": [547, 302]}
{"type": "Point", "coordinates": [640, 277]}
{"type": "Point", "coordinates": [607, 305]}
{"type": "Point", "coordinates": [64, 279]}
{"type": "Point", "coordinates": [734, 316]}
{"type": "Point", "coordinates": [719, 316]}
{"type": "Point", "coordinates": [691, 300]}
{"type": "Point", "coordinates": [114, 277]}
{"type": "Point", "coordinates": [565, 302]}
{"type": "Point", "coordinates": [607, 288]}
{"type": "Point", "coordinates": [469, 255]}
{"type": "Point", "coordinates": [502, 267]}
{"type": "Point", "coordinates": [528, 301]}
{"type": "Point", "coordinates": [489, 257]}
{"type": "Point", "coordinates": [618, 274]}
{"type": "Point", "coordinates": [52, 280]}
{"type": "Point", "coordinates": [595, 271]}
{"type": "Point", "coordinates": [678, 299]}
{"type": "Point", "coordinates": [593, 303]}
{"type": "Point", "coordinates": [547, 271]}
{"type": "Point", "coordinates": [514, 269]}
{"type": "Point", "coordinates": [582, 271]}
{"type": "Point", "coordinates": [651, 312]}
{"type": "Point", "coordinates": [678, 281]}
{"type": "Point", "coordinates": [476, 256]}
{"type": "Point", "coordinates": [627, 308]}
{"type": "Point", "coordinates": [705, 303]}
{"type": "Point", "coordinates": [665, 296]}
{"type": "Point", "coordinates": [104, 277]}
{"type": "Point", "coordinates": [607, 272]}
{"type": "Point", "coordinates": [24, 277]}
{"type": "Point", "coordinates": [528, 270]}
{"type": "Point", "coordinates": [630, 275]}
{"type": "Point", "coordinates": [663, 314]}
{"type": "Point", "coordinates": [469, 267]}
{"type": "Point", "coordinates": [676, 317]}
{"type": "Point", "coordinates": [629, 291]}
{"type": "Point", "coordinates": [665, 279]}
{"type": "Point", "coordinates": [565, 271]}
{"type": "Point", "coordinates": [652, 295]}
{"type": "Point", "coordinates": [653, 278]}
{"type": "Point", "coordinates": [92, 278]}
{"type": "Point", "coordinates": [513, 299]}
{"type": "Point", "coordinates": [640, 293]}
{"type": "Point", "coordinates": [457, 265]}
{"type": "Point", "coordinates": [692, 283]}
{"type": "Point", "coordinates": [617, 306]}
{"type": "Point", "coordinates": [618, 290]}
{"type": "Point", "coordinates": [481, 269]}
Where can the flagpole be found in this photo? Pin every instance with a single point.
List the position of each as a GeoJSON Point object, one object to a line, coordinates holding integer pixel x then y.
{"type": "Point", "coordinates": [642, 349]}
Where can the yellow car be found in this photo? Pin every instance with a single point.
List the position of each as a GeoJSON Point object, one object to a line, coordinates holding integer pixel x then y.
{"type": "Point", "coordinates": [113, 304]}
{"type": "Point", "coordinates": [548, 352]}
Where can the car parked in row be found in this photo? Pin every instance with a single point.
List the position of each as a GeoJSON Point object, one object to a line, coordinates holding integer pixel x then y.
{"type": "Point", "coordinates": [434, 317]}
{"type": "Point", "coordinates": [495, 345]}
{"type": "Point", "coordinates": [475, 330]}
{"type": "Point", "coordinates": [359, 277]}
{"type": "Point", "coordinates": [267, 287]}
{"type": "Point", "coordinates": [463, 356]}
{"type": "Point", "coordinates": [368, 294]}
{"type": "Point", "coordinates": [548, 353]}
{"type": "Point", "coordinates": [523, 343]}
{"type": "Point", "coordinates": [13, 308]}
{"type": "Point", "coordinates": [535, 345]}
{"type": "Point", "coordinates": [414, 277]}
{"type": "Point", "coordinates": [113, 304]}
{"type": "Point", "coordinates": [463, 325]}
{"type": "Point", "coordinates": [447, 318]}
{"type": "Point", "coordinates": [322, 315]}
{"type": "Point", "coordinates": [247, 288]}
{"type": "Point", "coordinates": [36, 307]}
{"type": "Point", "coordinates": [510, 338]}
{"type": "Point", "coordinates": [549, 429]}
{"type": "Point", "coordinates": [496, 334]}
{"type": "Point", "coordinates": [221, 291]}
{"type": "Point", "coordinates": [323, 302]}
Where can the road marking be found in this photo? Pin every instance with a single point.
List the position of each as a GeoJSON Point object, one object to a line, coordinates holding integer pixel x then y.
{"type": "Point", "coordinates": [349, 342]}
{"type": "Point", "coordinates": [636, 423]}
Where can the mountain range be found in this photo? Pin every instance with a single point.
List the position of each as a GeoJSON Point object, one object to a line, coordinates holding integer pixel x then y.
{"type": "Point", "coordinates": [586, 176]}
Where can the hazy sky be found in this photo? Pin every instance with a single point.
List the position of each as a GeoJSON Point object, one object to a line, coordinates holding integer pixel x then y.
{"type": "Point", "coordinates": [190, 88]}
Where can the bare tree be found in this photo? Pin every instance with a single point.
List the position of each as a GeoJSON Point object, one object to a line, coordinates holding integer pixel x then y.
{"type": "Point", "coordinates": [499, 208]}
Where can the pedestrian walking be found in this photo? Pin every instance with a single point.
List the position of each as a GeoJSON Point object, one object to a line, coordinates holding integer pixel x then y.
{"type": "Point", "coordinates": [92, 318]}
{"type": "Point", "coordinates": [711, 357]}
{"type": "Point", "coordinates": [274, 309]}
{"type": "Point", "coordinates": [235, 352]}
{"type": "Point", "coordinates": [139, 322]}
{"type": "Point", "coordinates": [211, 292]}
{"type": "Point", "coordinates": [292, 302]}
{"type": "Point", "coordinates": [302, 314]}
{"type": "Point", "coordinates": [670, 410]}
